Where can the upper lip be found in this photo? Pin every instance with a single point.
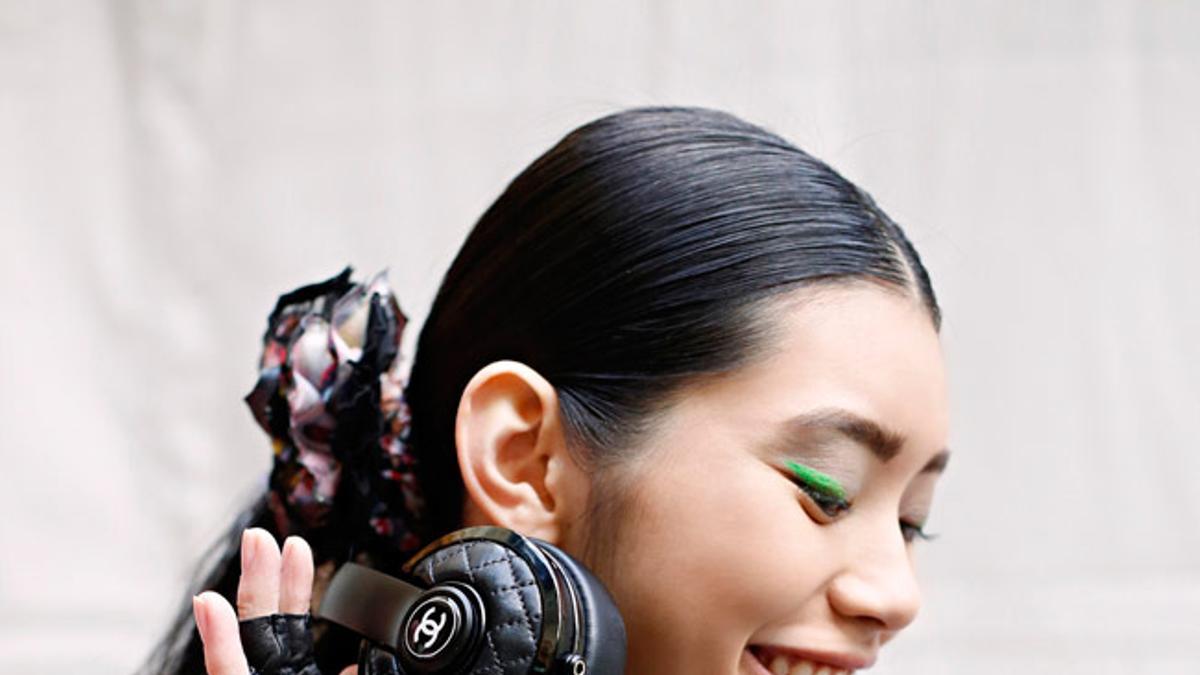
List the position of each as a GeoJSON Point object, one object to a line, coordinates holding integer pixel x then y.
{"type": "Point", "coordinates": [844, 660]}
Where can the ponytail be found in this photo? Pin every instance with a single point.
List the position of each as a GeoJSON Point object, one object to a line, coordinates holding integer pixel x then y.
{"type": "Point", "coordinates": [331, 398]}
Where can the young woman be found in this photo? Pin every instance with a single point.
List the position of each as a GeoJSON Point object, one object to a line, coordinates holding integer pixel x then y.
{"type": "Point", "coordinates": [695, 358]}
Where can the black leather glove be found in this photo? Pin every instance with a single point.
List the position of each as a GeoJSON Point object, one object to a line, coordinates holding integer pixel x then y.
{"type": "Point", "coordinates": [279, 644]}
{"type": "Point", "coordinates": [282, 644]}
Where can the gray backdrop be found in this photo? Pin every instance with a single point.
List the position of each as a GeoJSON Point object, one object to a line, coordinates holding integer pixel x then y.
{"type": "Point", "coordinates": [167, 168]}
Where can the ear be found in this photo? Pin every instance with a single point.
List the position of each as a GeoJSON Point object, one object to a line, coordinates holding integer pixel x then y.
{"type": "Point", "coordinates": [512, 452]}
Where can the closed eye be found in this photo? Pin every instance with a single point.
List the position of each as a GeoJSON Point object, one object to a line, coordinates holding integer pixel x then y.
{"type": "Point", "coordinates": [822, 490]}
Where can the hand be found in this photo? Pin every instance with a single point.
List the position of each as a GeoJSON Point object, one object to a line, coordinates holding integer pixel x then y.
{"type": "Point", "coordinates": [271, 583]}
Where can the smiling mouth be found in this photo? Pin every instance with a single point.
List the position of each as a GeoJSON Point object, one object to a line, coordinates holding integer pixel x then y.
{"type": "Point", "coordinates": [776, 662]}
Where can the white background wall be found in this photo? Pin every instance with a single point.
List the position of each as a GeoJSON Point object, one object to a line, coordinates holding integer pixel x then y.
{"type": "Point", "coordinates": [167, 168]}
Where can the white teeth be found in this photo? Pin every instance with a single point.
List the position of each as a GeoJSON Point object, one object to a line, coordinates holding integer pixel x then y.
{"type": "Point", "coordinates": [781, 664]}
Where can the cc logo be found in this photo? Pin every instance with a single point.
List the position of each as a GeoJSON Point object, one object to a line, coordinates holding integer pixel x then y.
{"type": "Point", "coordinates": [432, 625]}
{"type": "Point", "coordinates": [429, 629]}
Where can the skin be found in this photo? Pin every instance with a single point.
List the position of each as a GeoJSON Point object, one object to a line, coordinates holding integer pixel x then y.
{"type": "Point", "coordinates": [714, 549]}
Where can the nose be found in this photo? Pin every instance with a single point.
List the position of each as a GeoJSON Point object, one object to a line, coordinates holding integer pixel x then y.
{"type": "Point", "coordinates": [879, 585]}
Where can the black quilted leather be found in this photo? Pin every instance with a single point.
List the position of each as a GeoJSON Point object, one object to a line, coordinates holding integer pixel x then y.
{"type": "Point", "coordinates": [511, 600]}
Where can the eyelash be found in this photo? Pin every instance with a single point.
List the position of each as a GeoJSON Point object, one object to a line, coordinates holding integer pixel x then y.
{"type": "Point", "coordinates": [910, 531]}
{"type": "Point", "coordinates": [913, 532]}
{"type": "Point", "coordinates": [823, 501]}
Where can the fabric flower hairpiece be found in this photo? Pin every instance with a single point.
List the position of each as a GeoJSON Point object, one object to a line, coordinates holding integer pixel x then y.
{"type": "Point", "coordinates": [331, 397]}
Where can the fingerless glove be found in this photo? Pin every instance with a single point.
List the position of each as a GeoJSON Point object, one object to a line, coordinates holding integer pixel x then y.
{"type": "Point", "coordinates": [282, 644]}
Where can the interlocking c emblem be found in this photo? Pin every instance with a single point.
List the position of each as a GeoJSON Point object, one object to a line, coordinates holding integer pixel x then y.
{"type": "Point", "coordinates": [429, 627]}
{"type": "Point", "coordinates": [433, 625]}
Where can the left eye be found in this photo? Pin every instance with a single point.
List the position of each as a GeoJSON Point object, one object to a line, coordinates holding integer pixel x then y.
{"type": "Point", "coordinates": [819, 490]}
{"type": "Point", "coordinates": [829, 506]}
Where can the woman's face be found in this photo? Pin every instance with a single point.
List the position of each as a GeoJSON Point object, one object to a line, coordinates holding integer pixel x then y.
{"type": "Point", "coordinates": [770, 515]}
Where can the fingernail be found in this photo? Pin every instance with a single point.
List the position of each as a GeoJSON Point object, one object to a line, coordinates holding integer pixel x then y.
{"type": "Point", "coordinates": [247, 549]}
{"type": "Point", "coordinates": [200, 612]}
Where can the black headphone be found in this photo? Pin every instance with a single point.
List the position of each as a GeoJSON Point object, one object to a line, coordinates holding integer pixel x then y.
{"type": "Point", "coordinates": [483, 600]}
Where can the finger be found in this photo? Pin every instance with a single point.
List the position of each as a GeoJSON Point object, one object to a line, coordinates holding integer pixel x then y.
{"type": "Point", "coordinates": [296, 577]}
{"type": "Point", "coordinates": [258, 588]}
{"type": "Point", "coordinates": [219, 632]}
{"type": "Point", "coordinates": [350, 670]}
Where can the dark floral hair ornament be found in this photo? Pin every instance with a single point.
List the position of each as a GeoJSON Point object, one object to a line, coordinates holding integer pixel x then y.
{"type": "Point", "coordinates": [331, 396]}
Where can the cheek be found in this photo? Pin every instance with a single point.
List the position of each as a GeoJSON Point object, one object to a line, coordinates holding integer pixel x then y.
{"type": "Point", "coordinates": [709, 553]}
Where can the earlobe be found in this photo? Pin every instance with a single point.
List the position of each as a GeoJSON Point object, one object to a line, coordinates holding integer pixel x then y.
{"type": "Point", "coordinates": [512, 453]}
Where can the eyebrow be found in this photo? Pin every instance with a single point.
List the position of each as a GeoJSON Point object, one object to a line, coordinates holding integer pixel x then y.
{"type": "Point", "coordinates": [883, 443]}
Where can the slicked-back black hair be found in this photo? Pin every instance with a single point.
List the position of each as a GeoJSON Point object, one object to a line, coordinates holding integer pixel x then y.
{"type": "Point", "coordinates": [632, 256]}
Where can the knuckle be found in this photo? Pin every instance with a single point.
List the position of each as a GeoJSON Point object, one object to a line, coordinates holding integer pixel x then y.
{"type": "Point", "coordinates": [247, 605]}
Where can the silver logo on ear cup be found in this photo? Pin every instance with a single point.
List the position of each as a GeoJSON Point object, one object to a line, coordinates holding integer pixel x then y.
{"type": "Point", "coordinates": [432, 626]}
{"type": "Point", "coordinates": [429, 627]}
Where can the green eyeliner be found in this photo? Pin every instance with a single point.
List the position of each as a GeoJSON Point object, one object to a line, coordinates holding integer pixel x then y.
{"type": "Point", "coordinates": [826, 491]}
{"type": "Point", "coordinates": [817, 480]}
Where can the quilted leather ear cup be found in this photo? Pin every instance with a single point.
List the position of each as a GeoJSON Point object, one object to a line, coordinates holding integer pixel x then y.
{"type": "Point", "coordinates": [511, 599]}
{"type": "Point", "coordinates": [604, 630]}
